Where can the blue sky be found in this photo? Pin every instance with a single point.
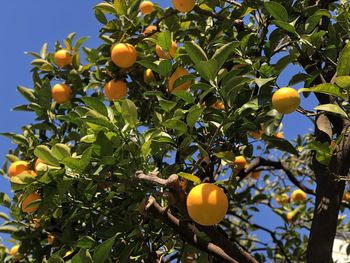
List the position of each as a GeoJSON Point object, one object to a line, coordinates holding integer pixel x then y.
{"type": "Point", "coordinates": [26, 25]}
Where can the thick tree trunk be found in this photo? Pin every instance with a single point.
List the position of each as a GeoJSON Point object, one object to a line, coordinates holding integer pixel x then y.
{"type": "Point", "coordinates": [329, 194]}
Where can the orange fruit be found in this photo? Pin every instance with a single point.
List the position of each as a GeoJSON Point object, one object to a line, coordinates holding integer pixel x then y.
{"type": "Point", "coordinates": [166, 55]}
{"type": "Point", "coordinates": [27, 207]}
{"type": "Point", "coordinates": [282, 199]}
{"type": "Point", "coordinates": [207, 204]}
{"type": "Point", "coordinates": [255, 174]}
{"type": "Point", "coordinates": [63, 58]}
{"type": "Point", "coordinates": [124, 55]}
{"type": "Point", "coordinates": [115, 89]}
{"type": "Point", "coordinates": [179, 72]}
{"type": "Point", "coordinates": [240, 162]}
{"type": "Point", "coordinates": [290, 216]}
{"type": "Point", "coordinates": [184, 6]}
{"type": "Point", "coordinates": [61, 93]}
{"type": "Point", "coordinates": [148, 76]}
{"type": "Point", "coordinates": [256, 135]}
{"type": "Point", "coordinates": [150, 29]}
{"type": "Point", "coordinates": [298, 196]}
{"type": "Point", "coordinates": [14, 250]}
{"type": "Point", "coordinates": [279, 135]}
{"type": "Point", "coordinates": [286, 100]}
{"type": "Point", "coordinates": [17, 168]}
{"type": "Point", "coordinates": [146, 7]}
{"type": "Point", "coordinates": [50, 239]}
{"type": "Point", "coordinates": [346, 196]}
{"type": "Point", "coordinates": [219, 105]}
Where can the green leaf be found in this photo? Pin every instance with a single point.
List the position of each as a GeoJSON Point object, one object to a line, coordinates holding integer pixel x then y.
{"type": "Point", "coordinates": [164, 40]}
{"type": "Point", "coordinates": [85, 242]}
{"type": "Point", "coordinates": [286, 26]}
{"type": "Point", "coordinates": [190, 177]}
{"type": "Point", "coordinates": [326, 88]}
{"type": "Point", "coordinates": [60, 151]}
{"type": "Point", "coordinates": [343, 82]}
{"type": "Point", "coordinates": [166, 105]}
{"type": "Point", "coordinates": [5, 200]}
{"type": "Point", "coordinates": [129, 112]}
{"type": "Point", "coordinates": [8, 229]}
{"type": "Point", "coordinates": [227, 156]}
{"type": "Point", "coordinates": [195, 52]}
{"type": "Point", "coordinates": [333, 108]}
{"type": "Point", "coordinates": [16, 138]}
{"type": "Point", "coordinates": [120, 7]}
{"type": "Point", "coordinates": [4, 216]}
{"type": "Point", "coordinates": [343, 67]}
{"type": "Point", "coordinates": [165, 67]}
{"type": "Point", "coordinates": [221, 54]}
{"type": "Point", "coordinates": [207, 69]}
{"type": "Point", "coordinates": [106, 8]}
{"type": "Point", "coordinates": [149, 64]}
{"type": "Point", "coordinates": [44, 153]}
{"type": "Point", "coordinates": [55, 259]}
{"type": "Point", "coordinates": [175, 125]}
{"type": "Point", "coordinates": [27, 93]}
{"type": "Point", "coordinates": [85, 158]}
{"type": "Point", "coordinates": [96, 104]}
{"type": "Point", "coordinates": [193, 115]}
{"type": "Point", "coordinates": [323, 151]}
{"type": "Point", "coordinates": [83, 256]}
{"type": "Point", "coordinates": [280, 144]}
{"type": "Point", "coordinates": [102, 251]}
{"type": "Point", "coordinates": [277, 11]}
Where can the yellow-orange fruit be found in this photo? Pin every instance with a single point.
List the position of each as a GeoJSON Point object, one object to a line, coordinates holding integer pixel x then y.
{"type": "Point", "coordinates": [166, 55]}
{"type": "Point", "coordinates": [148, 76]}
{"type": "Point", "coordinates": [279, 135]}
{"type": "Point", "coordinates": [116, 90]}
{"type": "Point", "coordinates": [179, 72]}
{"type": "Point", "coordinates": [14, 250]}
{"type": "Point", "coordinates": [17, 168]}
{"type": "Point", "coordinates": [27, 207]}
{"type": "Point", "coordinates": [240, 162]}
{"type": "Point", "coordinates": [63, 58]}
{"type": "Point", "coordinates": [346, 196]}
{"type": "Point", "coordinates": [298, 196]}
{"type": "Point", "coordinates": [124, 55]}
{"type": "Point", "coordinates": [150, 29]}
{"type": "Point", "coordinates": [256, 135]}
{"type": "Point", "coordinates": [50, 239]}
{"type": "Point", "coordinates": [184, 6]}
{"type": "Point", "coordinates": [219, 105]}
{"type": "Point", "coordinates": [290, 216]}
{"type": "Point", "coordinates": [146, 7]}
{"type": "Point", "coordinates": [207, 204]}
{"type": "Point", "coordinates": [255, 175]}
{"type": "Point", "coordinates": [30, 172]}
{"type": "Point", "coordinates": [286, 100]}
{"type": "Point", "coordinates": [61, 93]}
{"type": "Point", "coordinates": [282, 199]}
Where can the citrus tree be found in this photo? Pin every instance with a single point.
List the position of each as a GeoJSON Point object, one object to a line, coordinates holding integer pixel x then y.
{"type": "Point", "coordinates": [164, 143]}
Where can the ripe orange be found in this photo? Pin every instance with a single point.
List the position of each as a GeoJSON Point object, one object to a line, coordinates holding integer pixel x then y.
{"type": "Point", "coordinates": [279, 135]}
{"type": "Point", "coordinates": [256, 135]}
{"type": "Point", "coordinates": [346, 196]}
{"type": "Point", "coordinates": [286, 100]}
{"type": "Point", "coordinates": [240, 162]}
{"type": "Point", "coordinates": [207, 204]}
{"type": "Point", "coordinates": [150, 29]}
{"type": "Point", "coordinates": [255, 174]}
{"type": "Point", "coordinates": [148, 76]}
{"type": "Point", "coordinates": [17, 168]}
{"type": "Point", "coordinates": [219, 105]}
{"type": "Point", "coordinates": [179, 72]}
{"type": "Point", "coordinates": [27, 207]}
{"type": "Point", "coordinates": [282, 199]}
{"type": "Point", "coordinates": [290, 216]}
{"type": "Point", "coordinates": [124, 55]}
{"type": "Point", "coordinates": [61, 93]}
{"type": "Point", "coordinates": [184, 5]}
{"type": "Point", "coordinates": [14, 250]}
{"type": "Point", "coordinates": [146, 7]}
{"type": "Point", "coordinates": [166, 55]}
{"type": "Point", "coordinates": [50, 239]}
{"type": "Point", "coordinates": [299, 195]}
{"type": "Point", "coordinates": [115, 89]}
{"type": "Point", "coordinates": [63, 58]}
